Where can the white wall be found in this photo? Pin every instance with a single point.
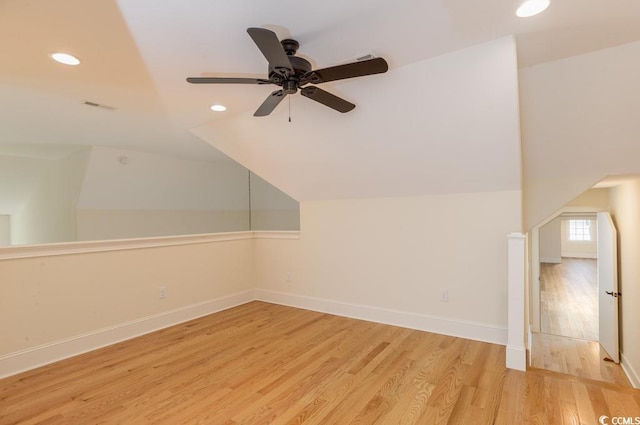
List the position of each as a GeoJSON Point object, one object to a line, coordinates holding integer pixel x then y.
{"type": "Point", "coordinates": [98, 225]}
{"type": "Point", "coordinates": [625, 209]}
{"type": "Point", "coordinates": [158, 195]}
{"type": "Point", "coordinates": [160, 182]}
{"type": "Point", "coordinates": [579, 124]}
{"type": "Point", "coordinates": [49, 214]}
{"type": "Point", "coordinates": [150, 195]}
{"type": "Point", "coordinates": [271, 208]}
{"type": "Point", "coordinates": [551, 242]}
{"type": "Point", "coordinates": [19, 178]}
{"type": "Point", "coordinates": [5, 230]}
{"type": "Point", "coordinates": [397, 254]}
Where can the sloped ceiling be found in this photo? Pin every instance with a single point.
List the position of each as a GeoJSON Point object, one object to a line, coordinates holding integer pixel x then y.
{"type": "Point", "coordinates": [401, 139]}
{"type": "Point", "coordinates": [445, 125]}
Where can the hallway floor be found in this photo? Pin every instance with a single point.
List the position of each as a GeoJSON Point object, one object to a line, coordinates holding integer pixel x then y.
{"type": "Point", "coordinates": [568, 342]}
{"type": "Point", "coordinates": [569, 298]}
{"type": "Point", "coordinates": [576, 357]}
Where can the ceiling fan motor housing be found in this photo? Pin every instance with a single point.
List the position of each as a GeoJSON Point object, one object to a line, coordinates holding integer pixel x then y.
{"type": "Point", "coordinates": [299, 65]}
{"type": "Point", "coordinates": [290, 46]}
{"type": "Point", "coordinates": [290, 86]}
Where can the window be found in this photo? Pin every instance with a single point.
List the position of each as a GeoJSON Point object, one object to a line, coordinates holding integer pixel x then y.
{"type": "Point", "coordinates": [580, 230]}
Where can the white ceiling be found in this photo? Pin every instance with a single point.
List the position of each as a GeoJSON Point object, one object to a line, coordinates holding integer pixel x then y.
{"type": "Point", "coordinates": [136, 53]}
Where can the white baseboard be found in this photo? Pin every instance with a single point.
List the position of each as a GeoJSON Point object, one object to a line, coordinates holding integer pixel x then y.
{"type": "Point", "coordinates": [458, 328]}
{"type": "Point", "coordinates": [551, 260]}
{"type": "Point", "coordinates": [529, 359]}
{"type": "Point", "coordinates": [516, 358]}
{"type": "Point", "coordinates": [20, 361]}
{"type": "Point", "coordinates": [579, 255]}
{"type": "Point", "coordinates": [631, 373]}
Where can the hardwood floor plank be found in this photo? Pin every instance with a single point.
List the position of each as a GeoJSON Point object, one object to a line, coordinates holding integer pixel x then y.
{"type": "Point", "coordinates": [261, 363]}
{"type": "Point", "coordinates": [512, 400]}
{"type": "Point", "coordinates": [569, 298]}
{"type": "Point", "coordinates": [583, 403]}
{"type": "Point", "coordinates": [575, 357]}
{"type": "Point", "coordinates": [569, 323]}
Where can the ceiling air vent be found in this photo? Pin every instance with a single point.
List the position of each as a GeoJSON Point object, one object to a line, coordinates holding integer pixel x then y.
{"type": "Point", "coordinates": [99, 105]}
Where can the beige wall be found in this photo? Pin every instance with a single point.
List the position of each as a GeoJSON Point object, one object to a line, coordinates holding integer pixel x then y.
{"type": "Point", "coordinates": [625, 210]}
{"type": "Point", "coordinates": [394, 255]}
{"type": "Point", "coordinates": [398, 253]}
{"type": "Point", "coordinates": [598, 198]}
{"type": "Point", "coordinates": [46, 299]}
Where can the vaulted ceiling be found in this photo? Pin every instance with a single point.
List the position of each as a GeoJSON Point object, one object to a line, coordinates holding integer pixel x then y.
{"type": "Point", "coordinates": [429, 125]}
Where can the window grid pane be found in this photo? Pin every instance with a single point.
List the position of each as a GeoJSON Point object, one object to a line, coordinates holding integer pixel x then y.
{"type": "Point", "coordinates": [579, 230]}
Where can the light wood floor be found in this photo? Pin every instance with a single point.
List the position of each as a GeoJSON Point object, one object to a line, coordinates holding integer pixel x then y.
{"type": "Point", "coordinates": [569, 298]}
{"type": "Point", "coordinates": [575, 357]}
{"type": "Point", "coordinates": [267, 364]}
{"type": "Point", "coordinates": [569, 323]}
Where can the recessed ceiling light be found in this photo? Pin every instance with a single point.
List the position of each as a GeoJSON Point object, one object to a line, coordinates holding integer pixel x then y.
{"type": "Point", "coordinates": [65, 58]}
{"type": "Point", "coordinates": [532, 7]}
{"type": "Point", "coordinates": [218, 108]}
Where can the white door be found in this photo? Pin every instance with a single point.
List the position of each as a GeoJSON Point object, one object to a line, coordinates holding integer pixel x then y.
{"type": "Point", "coordinates": [608, 285]}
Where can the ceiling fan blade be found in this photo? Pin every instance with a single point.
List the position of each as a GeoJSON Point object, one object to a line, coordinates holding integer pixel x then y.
{"type": "Point", "coordinates": [350, 70]}
{"type": "Point", "coordinates": [226, 80]}
{"type": "Point", "coordinates": [270, 103]}
{"type": "Point", "coordinates": [327, 99]}
{"type": "Point", "coordinates": [268, 43]}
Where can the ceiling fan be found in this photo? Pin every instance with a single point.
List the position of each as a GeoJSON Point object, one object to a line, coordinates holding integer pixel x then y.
{"type": "Point", "coordinates": [291, 73]}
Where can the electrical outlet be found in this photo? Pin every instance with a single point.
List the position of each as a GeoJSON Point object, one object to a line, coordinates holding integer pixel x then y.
{"type": "Point", "coordinates": [444, 295]}
{"type": "Point", "coordinates": [288, 276]}
{"type": "Point", "coordinates": [162, 292]}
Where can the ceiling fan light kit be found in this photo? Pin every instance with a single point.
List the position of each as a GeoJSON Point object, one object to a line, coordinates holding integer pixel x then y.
{"type": "Point", "coordinates": [293, 73]}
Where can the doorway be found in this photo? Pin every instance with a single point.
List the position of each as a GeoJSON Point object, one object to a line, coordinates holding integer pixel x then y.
{"type": "Point", "coordinates": [567, 336]}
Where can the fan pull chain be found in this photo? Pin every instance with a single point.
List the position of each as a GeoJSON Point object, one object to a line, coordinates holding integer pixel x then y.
{"type": "Point", "coordinates": [289, 108]}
